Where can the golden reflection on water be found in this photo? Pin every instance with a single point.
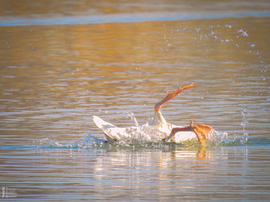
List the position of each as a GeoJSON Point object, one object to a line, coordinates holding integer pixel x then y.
{"type": "Point", "coordinates": [81, 7]}
{"type": "Point", "coordinates": [47, 70]}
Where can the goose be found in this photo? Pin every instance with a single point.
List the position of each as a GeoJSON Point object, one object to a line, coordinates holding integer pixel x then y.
{"type": "Point", "coordinates": [159, 129]}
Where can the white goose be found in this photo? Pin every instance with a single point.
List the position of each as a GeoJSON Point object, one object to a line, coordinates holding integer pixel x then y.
{"type": "Point", "coordinates": [159, 129]}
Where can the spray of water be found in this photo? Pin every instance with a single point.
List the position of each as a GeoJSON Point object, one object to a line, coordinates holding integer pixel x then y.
{"type": "Point", "coordinates": [245, 114]}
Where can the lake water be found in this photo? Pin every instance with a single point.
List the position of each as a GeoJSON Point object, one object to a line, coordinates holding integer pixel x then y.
{"type": "Point", "coordinates": [63, 62]}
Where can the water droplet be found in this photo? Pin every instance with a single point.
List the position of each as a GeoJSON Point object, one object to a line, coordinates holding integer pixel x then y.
{"type": "Point", "coordinates": [240, 30]}
{"type": "Point", "coordinates": [252, 45]}
{"type": "Point", "coordinates": [268, 99]}
{"type": "Point", "coordinates": [263, 79]}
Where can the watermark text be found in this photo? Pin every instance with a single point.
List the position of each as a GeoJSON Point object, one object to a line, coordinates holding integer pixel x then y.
{"type": "Point", "coordinates": [8, 192]}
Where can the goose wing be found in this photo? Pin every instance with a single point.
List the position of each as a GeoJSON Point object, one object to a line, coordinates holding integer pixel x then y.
{"type": "Point", "coordinates": [110, 131]}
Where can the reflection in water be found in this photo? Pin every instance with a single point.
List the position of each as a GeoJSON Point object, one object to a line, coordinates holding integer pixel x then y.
{"type": "Point", "coordinates": [223, 172]}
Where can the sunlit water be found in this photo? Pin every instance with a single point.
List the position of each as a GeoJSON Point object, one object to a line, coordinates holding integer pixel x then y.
{"type": "Point", "coordinates": [54, 78]}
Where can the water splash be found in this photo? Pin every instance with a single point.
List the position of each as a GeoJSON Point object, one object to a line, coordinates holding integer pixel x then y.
{"type": "Point", "coordinates": [243, 33]}
{"type": "Point", "coordinates": [144, 136]}
{"type": "Point", "coordinates": [89, 142]}
{"type": "Point", "coordinates": [132, 116]}
{"type": "Point", "coordinates": [218, 137]}
{"type": "Point", "coordinates": [147, 136]}
{"type": "Point", "coordinates": [245, 113]}
{"type": "Point", "coordinates": [95, 143]}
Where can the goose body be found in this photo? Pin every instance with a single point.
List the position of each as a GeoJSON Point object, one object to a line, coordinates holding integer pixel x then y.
{"type": "Point", "coordinates": [158, 130]}
{"type": "Point", "coordinates": [149, 132]}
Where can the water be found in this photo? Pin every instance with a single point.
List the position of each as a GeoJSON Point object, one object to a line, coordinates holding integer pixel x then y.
{"type": "Point", "coordinates": [55, 77]}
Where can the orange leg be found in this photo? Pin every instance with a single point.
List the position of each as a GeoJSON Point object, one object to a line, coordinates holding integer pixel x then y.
{"type": "Point", "coordinates": [171, 96]}
{"type": "Point", "coordinates": [200, 130]}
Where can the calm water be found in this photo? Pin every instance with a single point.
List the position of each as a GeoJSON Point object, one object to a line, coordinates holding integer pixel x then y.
{"type": "Point", "coordinates": [61, 63]}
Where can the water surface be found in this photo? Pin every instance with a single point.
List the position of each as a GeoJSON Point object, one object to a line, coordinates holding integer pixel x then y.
{"type": "Point", "coordinates": [54, 78]}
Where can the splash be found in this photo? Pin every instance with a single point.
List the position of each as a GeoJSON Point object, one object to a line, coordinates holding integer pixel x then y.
{"type": "Point", "coordinates": [91, 142]}
{"type": "Point", "coordinates": [132, 116]}
{"type": "Point", "coordinates": [146, 136]}
{"type": "Point", "coordinates": [245, 113]}
{"type": "Point", "coordinates": [217, 137]}
{"type": "Point", "coordinates": [243, 33]}
{"type": "Point", "coordinates": [143, 141]}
